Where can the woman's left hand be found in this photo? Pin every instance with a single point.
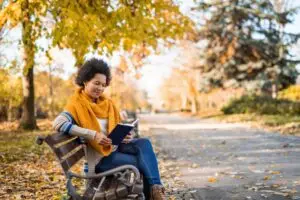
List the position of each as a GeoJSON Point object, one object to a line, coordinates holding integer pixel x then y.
{"type": "Point", "coordinates": [128, 138]}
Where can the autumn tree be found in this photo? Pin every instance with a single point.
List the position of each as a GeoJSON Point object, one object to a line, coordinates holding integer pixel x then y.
{"type": "Point", "coordinates": [280, 6]}
{"type": "Point", "coordinates": [125, 92]}
{"type": "Point", "coordinates": [244, 43]}
{"type": "Point", "coordinates": [184, 79]}
{"type": "Point", "coordinates": [28, 15]}
{"type": "Point", "coordinates": [84, 26]}
{"type": "Point", "coordinates": [46, 85]}
{"type": "Point", "coordinates": [3, 32]}
{"type": "Point", "coordinates": [11, 95]}
{"type": "Point", "coordinates": [174, 92]}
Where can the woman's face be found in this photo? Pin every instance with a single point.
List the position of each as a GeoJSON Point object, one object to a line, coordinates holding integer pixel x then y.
{"type": "Point", "coordinates": [95, 87]}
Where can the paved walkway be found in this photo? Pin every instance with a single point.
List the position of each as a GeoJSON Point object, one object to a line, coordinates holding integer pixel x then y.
{"type": "Point", "coordinates": [207, 160]}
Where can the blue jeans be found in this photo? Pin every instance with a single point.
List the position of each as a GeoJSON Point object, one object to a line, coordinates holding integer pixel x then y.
{"type": "Point", "coordinates": [138, 152]}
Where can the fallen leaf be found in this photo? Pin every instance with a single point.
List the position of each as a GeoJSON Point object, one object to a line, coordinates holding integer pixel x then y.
{"type": "Point", "coordinates": [212, 179]}
{"type": "Point", "coordinates": [275, 172]}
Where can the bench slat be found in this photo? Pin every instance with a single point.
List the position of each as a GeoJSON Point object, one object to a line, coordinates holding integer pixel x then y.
{"type": "Point", "coordinates": [72, 160]}
{"type": "Point", "coordinates": [58, 138]}
{"type": "Point", "coordinates": [66, 148]}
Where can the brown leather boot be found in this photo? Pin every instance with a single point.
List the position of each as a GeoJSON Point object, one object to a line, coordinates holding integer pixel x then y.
{"type": "Point", "coordinates": [157, 192]}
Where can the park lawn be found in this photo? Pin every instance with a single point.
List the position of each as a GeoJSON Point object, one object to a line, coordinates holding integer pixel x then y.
{"type": "Point", "coordinates": [284, 124]}
{"type": "Point", "coordinates": [27, 170]}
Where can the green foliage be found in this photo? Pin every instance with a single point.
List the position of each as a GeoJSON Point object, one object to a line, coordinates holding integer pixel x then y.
{"type": "Point", "coordinates": [261, 105]}
{"type": "Point", "coordinates": [290, 93]}
{"type": "Point", "coordinates": [246, 42]}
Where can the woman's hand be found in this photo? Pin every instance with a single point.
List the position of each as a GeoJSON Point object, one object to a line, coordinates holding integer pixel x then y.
{"type": "Point", "coordinates": [128, 138]}
{"type": "Point", "coordinates": [101, 138]}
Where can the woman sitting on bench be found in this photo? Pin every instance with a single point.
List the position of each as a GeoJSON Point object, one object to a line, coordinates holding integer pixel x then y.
{"type": "Point", "coordinates": [91, 115]}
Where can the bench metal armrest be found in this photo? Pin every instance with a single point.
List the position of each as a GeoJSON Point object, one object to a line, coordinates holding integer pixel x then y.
{"type": "Point", "coordinates": [106, 173]}
{"type": "Point", "coordinates": [39, 140]}
{"type": "Point", "coordinates": [72, 190]}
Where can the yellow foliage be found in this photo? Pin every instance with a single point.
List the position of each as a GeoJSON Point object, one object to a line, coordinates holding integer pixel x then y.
{"type": "Point", "coordinates": [290, 93]}
{"type": "Point", "coordinates": [138, 75]}
{"type": "Point", "coordinates": [62, 90]}
{"type": "Point", "coordinates": [123, 66]}
{"type": "Point", "coordinates": [117, 26]}
{"type": "Point", "coordinates": [229, 53]}
{"type": "Point", "coordinates": [11, 13]}
{"type": "Point", "coordinates": [124, 92]}
{"type": "Point", "coordinates": [9, 84]}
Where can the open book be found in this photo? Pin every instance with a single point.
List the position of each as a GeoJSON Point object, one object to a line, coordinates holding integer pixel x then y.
{"type": "Point", "coordinates": [120, 131]}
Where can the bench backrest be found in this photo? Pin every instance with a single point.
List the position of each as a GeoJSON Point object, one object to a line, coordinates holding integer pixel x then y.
{"type": "Point", "coordinates": [68, 149]}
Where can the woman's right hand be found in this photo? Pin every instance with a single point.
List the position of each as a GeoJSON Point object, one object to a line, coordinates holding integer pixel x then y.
{"type": "Point", "coordinates": [101, 138]}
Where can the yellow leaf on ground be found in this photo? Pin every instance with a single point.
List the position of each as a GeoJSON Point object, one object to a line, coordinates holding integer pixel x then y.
{"type": "Point", "coordinates": [275, 172]}
{"type": "Point", "coordinates": [212, 179]}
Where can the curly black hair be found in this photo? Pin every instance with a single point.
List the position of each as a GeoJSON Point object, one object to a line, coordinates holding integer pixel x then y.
{"type": "Point", "coordinates": [90, 68]}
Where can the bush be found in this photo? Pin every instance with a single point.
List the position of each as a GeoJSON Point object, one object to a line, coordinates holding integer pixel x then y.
{"type": "Point", "coordinates": [290, 93]}
{"type": "Point", "coordinates": [263, 105]}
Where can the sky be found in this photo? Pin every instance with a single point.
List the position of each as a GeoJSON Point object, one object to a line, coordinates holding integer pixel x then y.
{"type": "Point", "coordinates": [156, 69]}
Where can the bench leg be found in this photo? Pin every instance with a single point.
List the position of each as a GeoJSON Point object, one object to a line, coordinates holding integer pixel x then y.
{"type": "Point", "coordinates": [141, 197]}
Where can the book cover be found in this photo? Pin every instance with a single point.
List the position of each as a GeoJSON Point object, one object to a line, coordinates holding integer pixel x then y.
{"type": "Point", "coordinates": [120, 131]}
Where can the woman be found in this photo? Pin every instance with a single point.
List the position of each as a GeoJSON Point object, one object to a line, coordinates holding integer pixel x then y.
{"type": "Point", "coordinates": [91, 115]}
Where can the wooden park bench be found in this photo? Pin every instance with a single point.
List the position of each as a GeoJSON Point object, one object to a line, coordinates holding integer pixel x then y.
{"type": "Point", "coordinates": [124, 182]}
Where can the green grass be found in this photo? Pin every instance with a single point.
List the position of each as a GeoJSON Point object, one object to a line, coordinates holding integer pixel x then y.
{"type": "Point", "coordinates": [269, 120]}
{"type": "Point", "coordinates": [278, 120]}
{"type": "Point", "coordinates": [275, 114]}
{"type": "Point", "coordinates": [18, 145]}
{"type": "Point", "coordinates": [262, 105]}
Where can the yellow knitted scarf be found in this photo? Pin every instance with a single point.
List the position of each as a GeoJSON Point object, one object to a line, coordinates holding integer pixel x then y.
{"type": "Point", "coordinates": [85, 112]}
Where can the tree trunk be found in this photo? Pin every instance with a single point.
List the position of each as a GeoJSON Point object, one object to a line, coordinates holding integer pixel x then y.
{"type": "Point", "coordinates": [28, 120]}
{"type": "Point", "coordinates": [51, 114]}
{"type": "Point", "coordinates": [10, 111]}
{"type": "Point", "coordinates": [194, 105]}
{"type": "Point", "coordinates": [274, 90]}
{"type": "Point", "coordinates": [183, 102]}
{"type": "Point", "coordinates": [281, 56]}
